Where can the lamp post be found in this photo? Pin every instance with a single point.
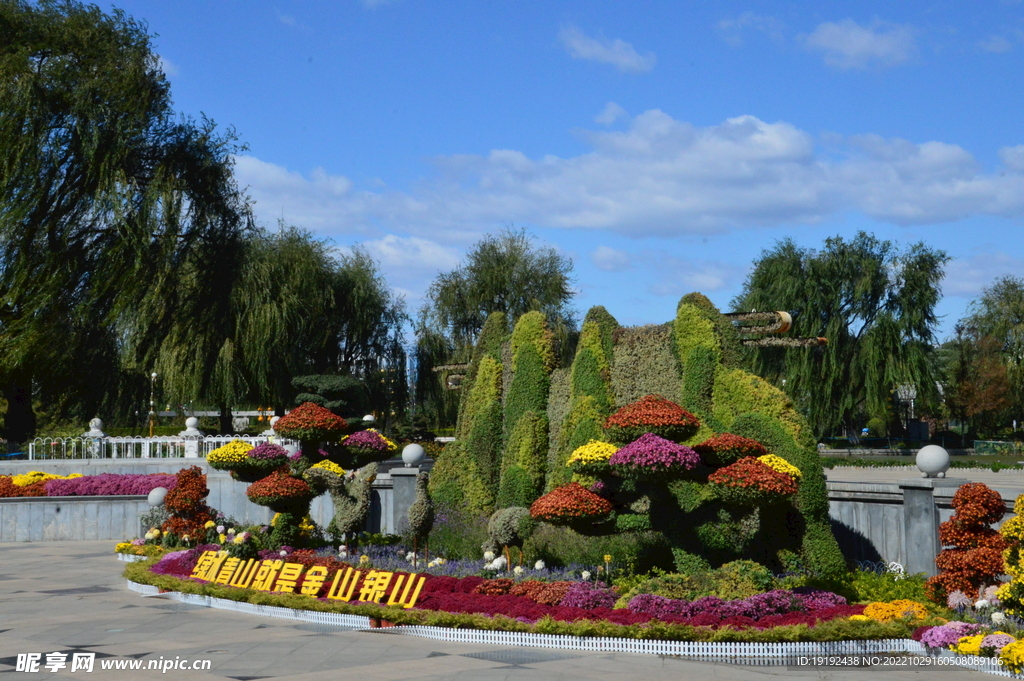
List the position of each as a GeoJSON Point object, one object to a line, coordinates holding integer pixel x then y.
{"type": "Point", "coordinates": [152, 413]}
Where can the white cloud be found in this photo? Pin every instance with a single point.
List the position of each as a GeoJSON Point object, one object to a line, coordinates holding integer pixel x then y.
{"type": "Point", "coordinates": [849, 45]}
{"type": "Point", "coordinates": [618, 53]}
{"type": "Point", "coordinates": [996, 43]}
{"type": "Point", "coordinates": [167, 66]}
{"type": "Point", "coordinates": [659, 176]}
{"type": "Point", "coordinates": [732, 30]}
{"type": "Point", "coordinates": [610, 259]}
{"type": "Point", "coordinates": [966, 277]}
{"type": "Point", "coordinates": [677, 276]}
{"type": "Point", "coordinates": [611, 113]}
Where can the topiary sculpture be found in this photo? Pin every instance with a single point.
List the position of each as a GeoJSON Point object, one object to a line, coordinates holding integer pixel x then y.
{"type": "Point", "coordinates": [421, 516]}
{"type": "Point", "coordinates": [509, 527]}
{"type": "Point", "coordinates": [350, 493]}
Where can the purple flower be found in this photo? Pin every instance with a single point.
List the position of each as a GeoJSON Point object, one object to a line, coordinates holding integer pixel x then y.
{"type": "Point", "coordinates": [589, 595]}
{"type": "Point", "coordinates": [815, 599]}
{"type": "Point", "coordinates": [942, 636]}
{"type": "Point", "coordinates": [268, 452]}
{"type": "Point", "coordinates": [997, 641]}
{"type": "Point", "coordinates": [109, 484]}
{"type": "Point", "coordinates": [653, 454]}
{"type": "Point", "coordinates": [367, 439]}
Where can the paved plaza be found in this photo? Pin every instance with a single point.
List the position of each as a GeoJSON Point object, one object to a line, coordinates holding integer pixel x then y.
{"type": "Point", "coordinates": [1004, 479]}
{"type": "Point", "coordinates": [69, 597]}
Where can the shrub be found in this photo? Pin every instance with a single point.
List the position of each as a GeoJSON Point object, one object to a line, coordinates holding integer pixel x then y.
{"type": "Point", "coordinates": [692, 328]}
{"type": "Point", "coordinates": [653, 457]}
{"type": "Point", "coordinates": [976, 556]}
{"type": "Point", "coordinates": [727, 448]}
{"type": "Point", "coordinates": [527, 448]}
{"type": "Point", "coordinates": [310, 422]}
{"type": "Point", "coordinates": [569, 504]}
{"type": "Point", "coordinates": [510, 526]}
{"type": "Point", "coordinates": [489, 343]}
{"type": "Point", "coordinates": [528, 391]}
{"type": "Point", "coordinates": [188, 512]}
{"type": "Point", "coordinates": [582, 425]}
{"type": "Point", "coordinates": [532, 329]}
{"type": "Point", "coordinates": [517, 488]}
{"type": "Point", "coordinates": [652, 414]}
{"type": "Point", "coordinates": [750, 482]}
{"type": "Point", "coordinates": [738, 392]}
{"type": "Point", "coordinates": [643, 363]}
{"type": "Point", "coordinates": [699, 380]}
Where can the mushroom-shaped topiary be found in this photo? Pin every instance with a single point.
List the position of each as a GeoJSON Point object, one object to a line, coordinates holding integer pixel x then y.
{"type": "Point", "coordinates": [569, 505]}
{"type": "Point", "coordinates": [310, 422]}
{"type": "Point", "coordinates": [750, 482]}
{"type": "Point", "coordinates": [369, 445]}
{"type": "Point", "coordinates": [653, 457]}
{"type": "Point", "coordinates": [724, 449]}
{"type": "Point", "coordinates": [652, 414]}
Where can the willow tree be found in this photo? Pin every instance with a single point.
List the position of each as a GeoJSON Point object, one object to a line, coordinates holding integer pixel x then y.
{"type": "Point", "coordinates": [873, 302]}
{"type": "Point", "coordinates": [503, 273]}
{"type": "Point", "coordinates": [115, 213]}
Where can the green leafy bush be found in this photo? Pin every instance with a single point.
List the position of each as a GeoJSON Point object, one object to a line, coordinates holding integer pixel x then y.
{"type": "Point", "coordinates": [528, 393]}
{"type": "Point", "coordinates": [699, 382]}
{"type": "Point", "coordinates": [643, 364]}
{"type": "Point", "coordinates": [631, 552]}
{"type": "Point", "coordinates": [690, 329]}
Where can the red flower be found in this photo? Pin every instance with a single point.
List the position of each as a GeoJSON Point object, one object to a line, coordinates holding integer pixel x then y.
{"type": "Point", "coordinates": [726, 448]}
{"type": "Point", "coordinates": [652, 414]}
{"type": "Point", "coordinates": [279, 488]}
{"type": "Point", "coordinates": [310, 422]}
{"type": "Point", "coordinates": [569, 503]}
{"type": "Point", "coordinates": [749, 481]}
{"type": "Point", "coordinates": [976, 556]}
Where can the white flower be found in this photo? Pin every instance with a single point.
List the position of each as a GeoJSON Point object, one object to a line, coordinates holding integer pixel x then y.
{"type": "Point", "coordinates": [220, 529]}
{"type": "Point", "coordinates": [585, 575]}
{"type": "Point", "coordinates": [518, 570]}
{"type": "Point", "coordinates": [283, 553]}
{"type": "Point", "coordinates": [982, 604]}
{"type": "Point", "coordinates": [998, 618]}
{"type": "Point", "coordinates": [410, 556]}
{"type": "Point", "coordinates": [896, 570]}
{"type": "Point", "coordinates": [231, 530]}
{"type": "Point", "coordinates": [539, 565]}
{"type": "Point", "coordinates": [488, 556]}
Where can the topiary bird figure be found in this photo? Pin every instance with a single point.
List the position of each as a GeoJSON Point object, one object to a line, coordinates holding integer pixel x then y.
{"type": "Point", "coordinates": [350, 494]}
{"type": "Point", "coordinates": [421, 516]}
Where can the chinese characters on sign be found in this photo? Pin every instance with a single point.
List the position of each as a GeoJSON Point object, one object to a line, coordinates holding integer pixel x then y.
{"type": "Point", "coordinates": [399, 589]}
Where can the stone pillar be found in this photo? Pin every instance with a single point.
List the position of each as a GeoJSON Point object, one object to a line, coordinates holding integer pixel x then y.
{"type": "Point", "coordinates": [403, 482]}
{"type": "Point", "coordinates": [921, 522]}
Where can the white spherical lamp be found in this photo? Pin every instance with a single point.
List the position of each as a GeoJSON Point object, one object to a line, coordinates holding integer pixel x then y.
{"type": "Point", "coordinates": [413, 454]}
{"type": "Point", "coordinates": [156, 496]}
{"type": "Point", "coordinates": [932, 461]}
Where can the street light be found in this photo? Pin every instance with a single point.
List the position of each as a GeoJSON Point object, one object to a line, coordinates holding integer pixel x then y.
{"type": "Point", "coordinates": [152, 413]}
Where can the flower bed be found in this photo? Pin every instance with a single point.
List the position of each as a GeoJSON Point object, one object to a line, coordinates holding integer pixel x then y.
{"type": "Point", "coordinates": [36, 484]}
{"type": "Point", "coordinates": [577, 608]}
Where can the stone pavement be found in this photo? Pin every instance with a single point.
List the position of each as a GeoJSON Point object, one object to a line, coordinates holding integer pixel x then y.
{"type": "Point", "coordinates": [69, 596]}
{"type": "Point", "coordinates": [1004, 479]}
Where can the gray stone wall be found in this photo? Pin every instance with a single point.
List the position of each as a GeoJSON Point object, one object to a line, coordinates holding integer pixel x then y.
{"type": "Point", "coordinates": [60, 518]}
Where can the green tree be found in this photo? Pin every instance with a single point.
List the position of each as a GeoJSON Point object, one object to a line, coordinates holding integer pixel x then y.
{"type": "Point", "coordinates": [504, 273]}
{"type": "Point", "coordinates": [118, 218]}
{"type": "Point", "coordinates": [998, 315]}
{"type": "Point", "coordinates": [976, 382]}
{"type": "Point", "coordinates": [876, 306]}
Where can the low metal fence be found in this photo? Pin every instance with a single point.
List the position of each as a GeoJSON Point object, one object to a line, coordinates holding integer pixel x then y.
{"type": "Point", "coordinates": [190, 447]}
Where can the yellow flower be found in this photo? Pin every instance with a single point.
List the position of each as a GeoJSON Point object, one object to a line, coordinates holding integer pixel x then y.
{"type": "Point", "coordinates": [26, 479]}
{"type": "Point", "coordinates": [209, 524]}
{"type": "Point", "coordinates": [223, 538]}
{"type": "Point", "coordinates": [364, 559]}
{"type": "Point", "coordinates": [781, 465]}
{"type": "Point", "coordinates": [859, 618]}
{"type": "Point", "coordinates": [123, 546]}
{"type": "Point", "coordinates": [1012, 657]}
{"type": "Point", "coordinates": [969, 645]}
{"type": "Point", "coordinates": [607, 558]}
{"type": "Point", "coordinates": [329, 466]}
{"type": "Point", "coordinates": [592, 452]}
{"type": "Point", "coordinates": [898, 609]}
{"type": "Point", "coordinates": [233, 453]}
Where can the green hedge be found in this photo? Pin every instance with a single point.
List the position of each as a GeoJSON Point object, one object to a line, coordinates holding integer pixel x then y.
{"type": "Point", "coordinates": [532, 329]}
{"type": "Point", "coordinates": [644, 364]}
{"type": "Point", "coordinates": [690, 329]}
{"type": "Point", "coordinates": [737, 392]}
{"type": "Point", "coordinates": [489, 343]}
{"type": "Point", "coordinates": [699, 383]}
{"type": "Point", "coordinates": [529, 389]}
{"type": "Point", "coordinates": [606, 323]}
{"type": "Point", "coordinates": [525, 461]}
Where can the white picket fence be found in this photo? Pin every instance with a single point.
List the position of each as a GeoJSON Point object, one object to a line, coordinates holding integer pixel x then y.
{"type": "Point", "coordinates": [189, 447]}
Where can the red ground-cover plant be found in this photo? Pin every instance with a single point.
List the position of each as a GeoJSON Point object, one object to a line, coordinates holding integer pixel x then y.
{"type": "Point", "coordinates": [494, 587]}
{"type": "Point", "coordinates": [976, 554]}
{"type": "Point", "coordinates": [189, 512]}
{"type": "Point", "coordinates": [751, 482]}
{"type": "Point", "coordinates": [727, 448]}
{"type": "Point", "coordinates": [570, 503]}
{"type": "Point", "coordinates": [651, 414]}
{"type": "Point", "coordinates": [311, 423]}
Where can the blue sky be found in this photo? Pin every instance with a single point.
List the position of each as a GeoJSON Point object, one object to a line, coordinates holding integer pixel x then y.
{"type": "Point", "coordinates": [661, 145]}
